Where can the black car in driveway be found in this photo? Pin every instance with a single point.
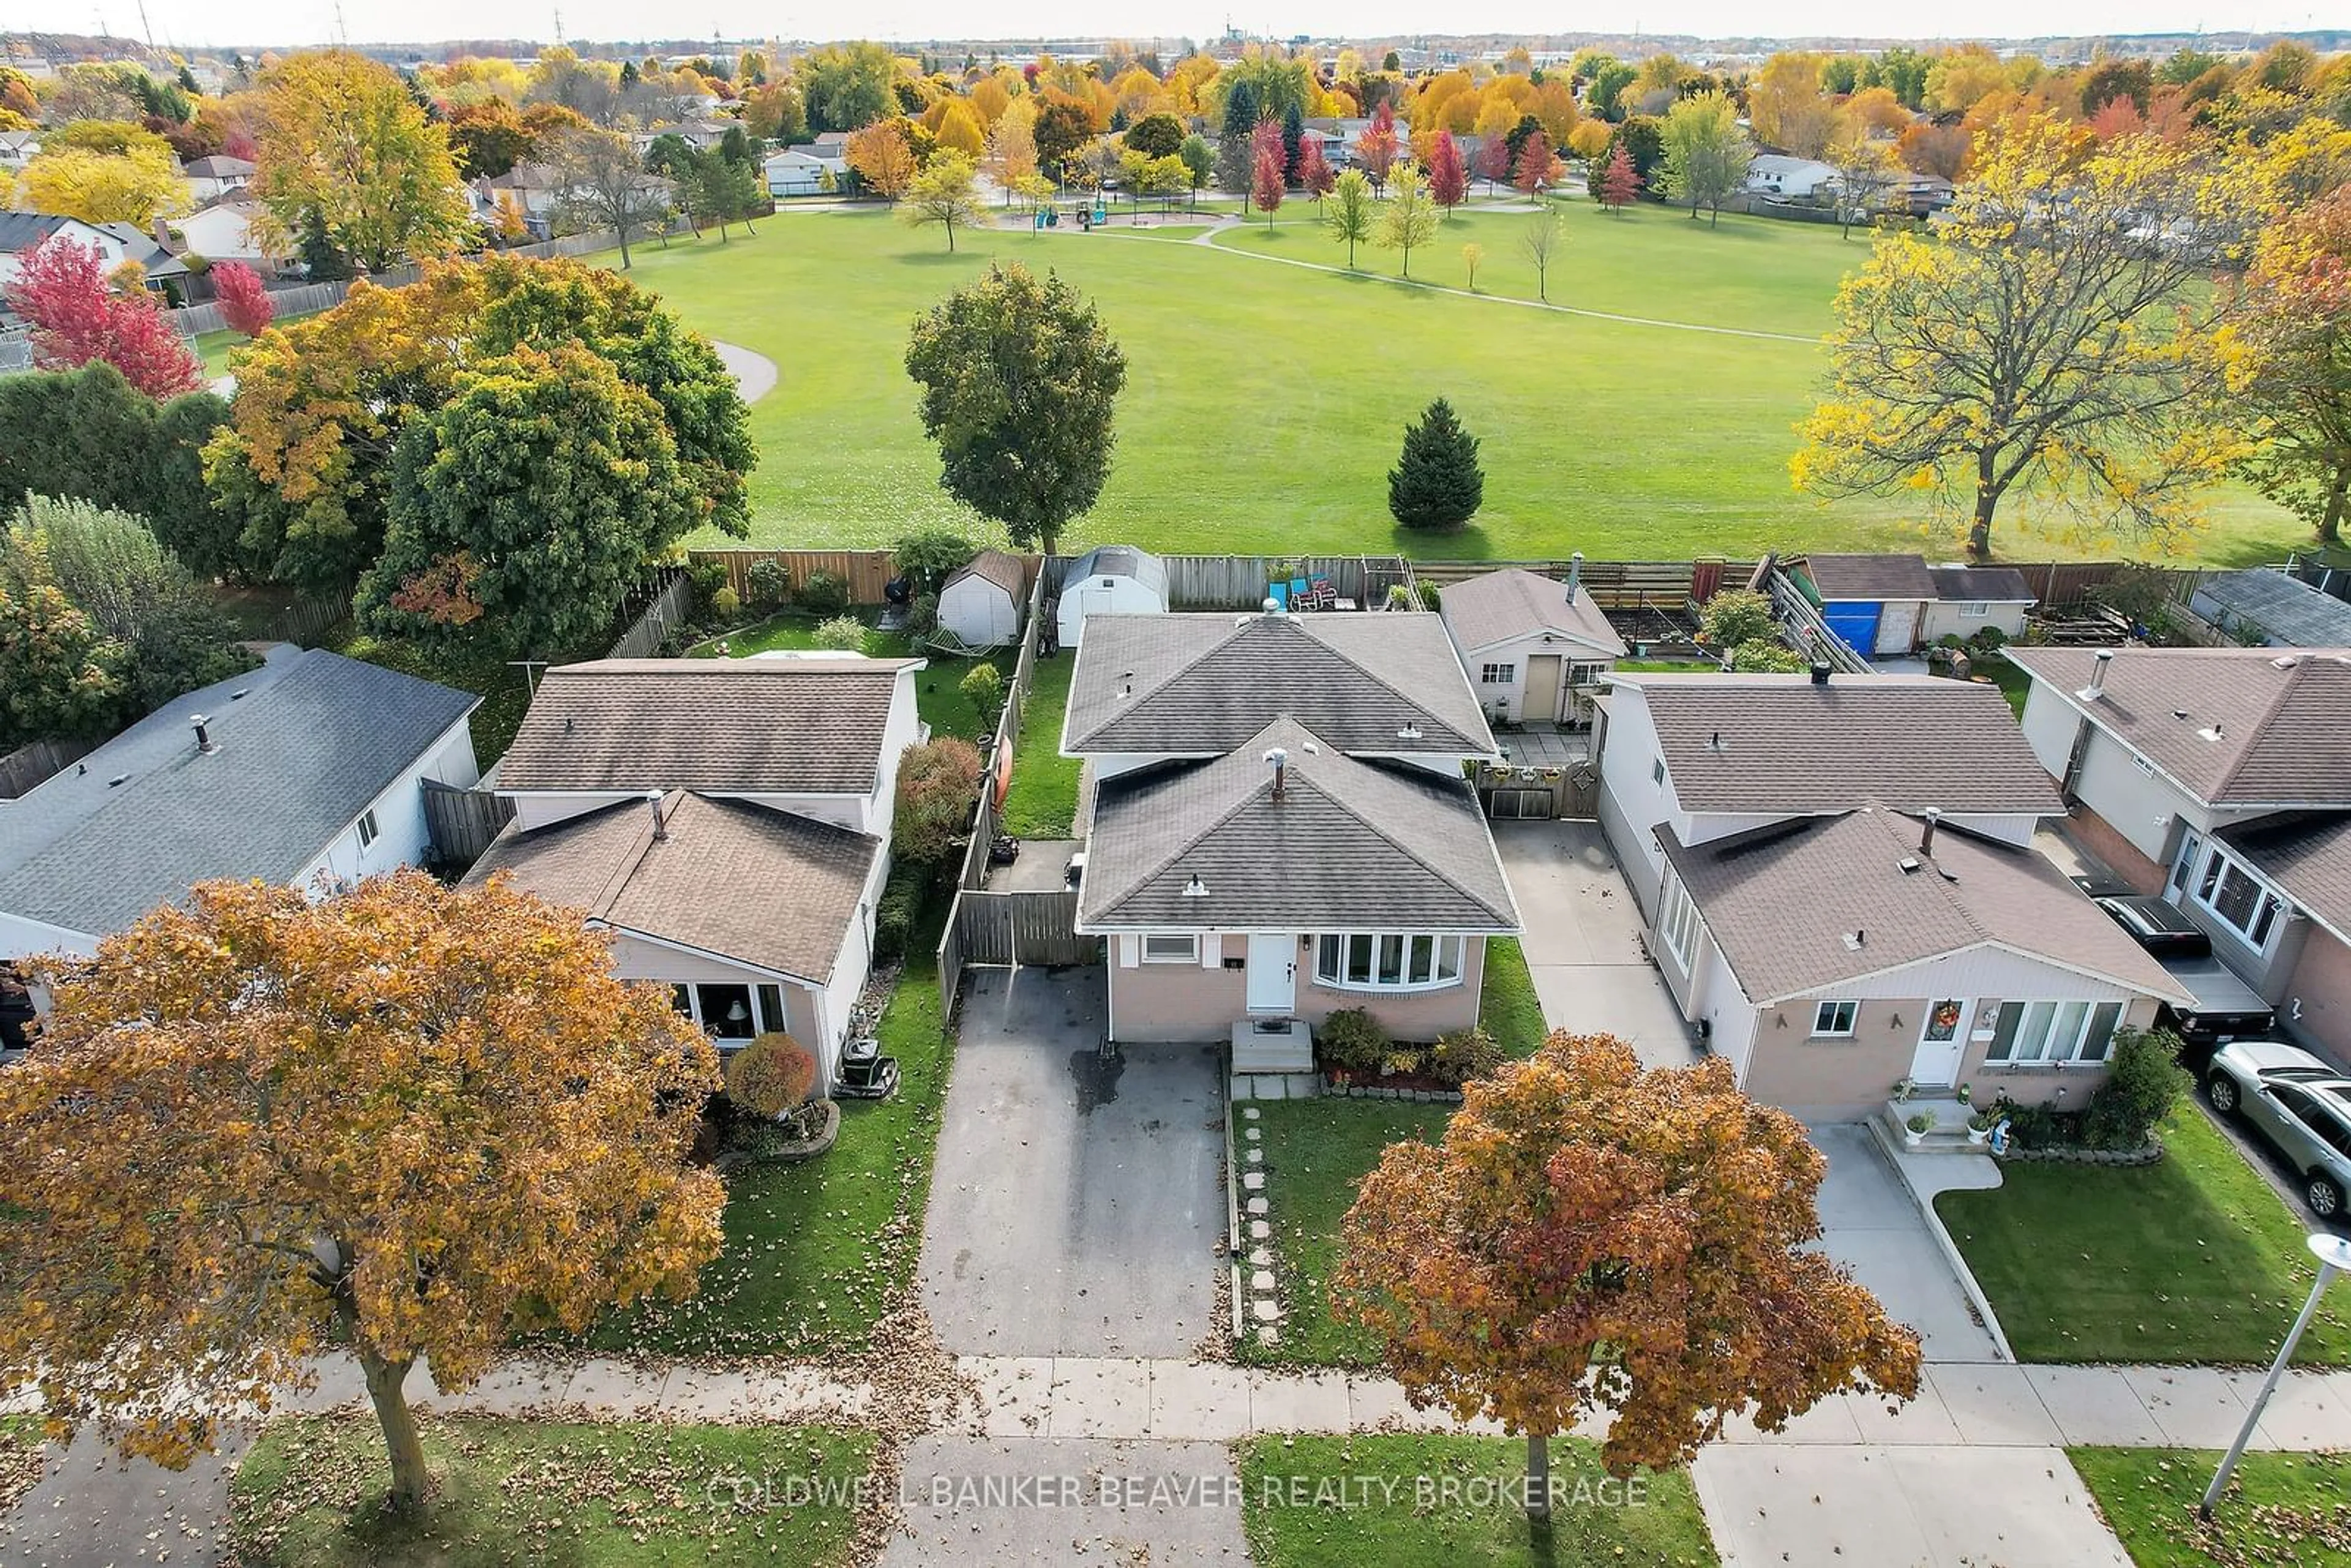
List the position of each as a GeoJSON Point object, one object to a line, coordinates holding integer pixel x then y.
{"type": "Point", "coordinates": [2226, 1008]}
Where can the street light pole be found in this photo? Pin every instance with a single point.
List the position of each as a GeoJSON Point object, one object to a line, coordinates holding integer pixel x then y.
{"type": "Point", "coordinates": [2333, 1255]}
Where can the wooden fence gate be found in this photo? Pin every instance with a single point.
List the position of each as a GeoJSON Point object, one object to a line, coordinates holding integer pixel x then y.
{"type": "Point", "coordinates": [462, 822]}
{"type": "Point", "coordinates": [1008, 928]}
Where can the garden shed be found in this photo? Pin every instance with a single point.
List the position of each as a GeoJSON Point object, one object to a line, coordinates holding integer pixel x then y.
{"type": "Point", "coordinates": [1971, 600]}
{"type": "Point", "coordinates": [979, 604]}
{"type": "Point", "coordinates": [2260, 604]}
{"type": "Point", "coordinates": [1110, 580]}
{"type": "Point", "coordinates": [1874, 604]}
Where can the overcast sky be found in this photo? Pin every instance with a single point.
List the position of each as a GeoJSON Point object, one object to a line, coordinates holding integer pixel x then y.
{"type": "Point", "coordinates": [200, 22]}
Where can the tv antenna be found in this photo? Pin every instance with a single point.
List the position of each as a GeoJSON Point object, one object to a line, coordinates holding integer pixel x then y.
{"type": "Point", "coordinates": [343, 33]}
{"type": "Point", "coordinates": [559, 24]}
{"type": "Point", "coordinates": [145, 25]}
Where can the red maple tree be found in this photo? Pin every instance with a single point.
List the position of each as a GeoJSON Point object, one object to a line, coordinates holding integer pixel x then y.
{"type": "Point", "coordinates": [1494, 161]}
{"type": "Point", "coordinates": [1265, 179]}
{"type": "Point", "coordinates": [244, 304]}
{"type": "Point", "coordinates": [61, 290]}
{"type": "Point", "coordinates": [1448, 181]}
{"type": "Point", "coordinates": [1618, 183]}
{"type": "Point", "coordinates": [1316, 176]}
{"type": "Point", "coordinates": [1539, 166]}
{"type": "Point", "coordinates": [1375, 148]}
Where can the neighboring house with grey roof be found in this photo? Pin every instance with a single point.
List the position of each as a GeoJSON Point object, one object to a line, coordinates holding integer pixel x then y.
{"type": "Point", "coordinates": [1830, 957]}
{"type": "Point", "coordinates": [727, 820]}
{"type": "Point", "coordinates": [2219, 779]}
{"type": "Point", "coordinates": [2268, 607]}
{"type": "Point", "coordinates": [1535, 648]}
{"type": "Point", "coordinates": [307, 773]}
{"type": "Point", "coordinates": [1280, 826]}
{"type": "Point", "coordinates": [1703, 756]}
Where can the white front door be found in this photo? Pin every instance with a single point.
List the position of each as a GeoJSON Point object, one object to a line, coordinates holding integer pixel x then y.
{"type": "Point", "coordinates": [1272, 973]}
{"type": "Point", "coordinates": [1942, 1042]}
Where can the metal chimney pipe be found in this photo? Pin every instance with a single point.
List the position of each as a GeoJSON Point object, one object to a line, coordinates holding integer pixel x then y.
{"type": "Point", "coordinates": [206, 746]}
{"type": "Point", "coordinates": [1280, 761]}
{"type": "Point", "coordinates": [1820, 672]}
{"type": "Point", "coordinates": [1574, 574]}
{"type": "Point", "coordinates": [661, 819]}
{"type": "Point", "coordinates": [2098, 670]}
{"type": "Point", "coordinates": [1926, 834]}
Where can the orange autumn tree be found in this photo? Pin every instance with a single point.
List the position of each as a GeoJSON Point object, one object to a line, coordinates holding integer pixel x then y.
{"type": "Point", "coordinates": [1591, 1237]}
{"type": "Point", "coordinates": [407, 1121]}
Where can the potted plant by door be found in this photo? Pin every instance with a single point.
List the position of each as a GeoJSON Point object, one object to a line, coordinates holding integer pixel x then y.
{"type": "Point", "coordinates": [1979, 1126]}
{"type": "Point", "coordinates": [1915, 1130]}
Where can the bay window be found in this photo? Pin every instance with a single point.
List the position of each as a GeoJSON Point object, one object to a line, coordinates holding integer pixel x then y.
{"type": "Point", "coordinates": [1387, 961]}
{"type": "Point", "coordinates": [2240, 900]}
{"type": "Point", "coordinates": [2054, 1031]}
{"type": "Point", "coordinates": [1677, 920]}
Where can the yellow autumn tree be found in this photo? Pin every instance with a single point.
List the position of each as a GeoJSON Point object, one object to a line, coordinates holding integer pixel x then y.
{"type": "Point", "coordinates": [2056, 337]}
{"type": "Point", "coordinates": [341, 139]}
{"type": "Point", "coordinates": [404, 1122]}
{"type": "Point", "coordinates": [959, 130]}
{"type": "Point", "coordinates": [134, 186]}
{"type": "Point", "coordinates": [1591, 1239]}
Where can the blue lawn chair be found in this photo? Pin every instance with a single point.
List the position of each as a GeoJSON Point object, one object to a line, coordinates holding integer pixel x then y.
{"type": "Point", "coordinates": [1280, 594]}
{"type": "Point", "coordinates": [1297, 594]}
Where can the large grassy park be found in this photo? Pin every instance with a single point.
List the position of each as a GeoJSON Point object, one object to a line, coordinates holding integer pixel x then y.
{"type": "Point", "coordinates": [1265, 401]}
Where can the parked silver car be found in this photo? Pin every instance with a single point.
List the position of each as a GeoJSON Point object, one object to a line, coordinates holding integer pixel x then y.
{"type": "Point", "coordinates": [2299, 1105]}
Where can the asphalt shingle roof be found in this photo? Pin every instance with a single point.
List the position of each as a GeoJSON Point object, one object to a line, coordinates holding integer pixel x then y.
{"type": "Point", "coordinates": [1352, 845]}
{"type": "Point", "coordinates": [1780, 744]}
{"type": "Point", "coordinates": [311, 744]}
{"type": "Point", "coordinates": [2308, 853]}
{"type": "Point", "coordinates": [992, 566]}
{"type": "Point", "coordinates": [786, 726]}
{"type": "Point", "coordinates": [1870, 577]}
{"type": "Point", "coordinates": [762, 887]}
{"type": "Point", "coordinates": [1204, 685]}
{"type": "Point", "coordinates": [2286, 608]}
{"type": "Point", "coordinates": [1118, 560]}
{"type": "Point", "coordinates": [1501, 606]}
{"type": "Point", "coordinates": [2234, 725]}
{"type": "Point", "coordinates": [1981, 585]}
{"type": "Point", "coordinates": [1801, 906]}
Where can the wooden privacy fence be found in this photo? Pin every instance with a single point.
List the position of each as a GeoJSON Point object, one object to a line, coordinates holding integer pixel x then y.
{"type": "Point", "coordinates": [27, 766]}
{"type": "Point", "coordinates": [1239, 581]}
{"type": "Point", "coordinates": [1014, 928]}
{"type": "Point", "coordinates": [866, 572]}
{"type": "Point", "coordinates": [462, 822]}
{"type": "Point", "coordinates": [307, 621]}
{"type": "Point", "coordinates": [670, 603]}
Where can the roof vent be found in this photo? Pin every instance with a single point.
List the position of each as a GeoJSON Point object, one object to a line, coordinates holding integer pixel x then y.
{"type": "Point", "coordinates": [661, 819]}
{"type": "Point", "coordinates": [118, 782]}
{"type": "Point", "coordinates": [1909, 864]}
{"type": "Point", "coordinates": [2180, 712]}
{"type": "Point", "coordinates": [1574, 574]}
{"type": "Point", "coordinates": [1411, 730]}
{"type": "Point", "coordinates": [239, 695]}
{"type": "Point", "coordinates": [1280, 761]}
{"type": "Point", "coordinates": [2284, 661]}
{"type": "Point", "coordinates": [2212, 733]}
{"type": "Point", "coordinates": [2097, 685]}
{"type": "Point", "coordinates": [1855, 940]}
{"type": "Point", "coordinates": [1933, 818]}
{"type": "Point", "coordinates": [567, 724]}
{"type": "Point", "coordinates": [1715, 743]}
{"type": "Point", "coordinates": [1196, 888]}
{"type": "Point", "coordinates": [1272, 606]}
{"type": "Point", "coordinates": [205, 745]}
{"type": "Point", "coordinates": [1820, 672]}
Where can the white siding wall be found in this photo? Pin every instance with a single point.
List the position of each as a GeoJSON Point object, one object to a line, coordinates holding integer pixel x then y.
{"type": "Point", "coordinates": [533, 812]}
{"type": "Point", "coordinates": [1943, 620]}
{"type": "Point", "coordinates": [2049, 723]}
{"type": "Point", "coordinates": [979, 611]}
{"type": "Point", "coordinates": [851, 965]}
{"type": "Point", "coordinates": [1729, 1013]}
{"type": "Point", "coordinates": [1633, 802]}
{"type": "Point", "coordinates": [903, 728]}
{"type": "Point", "coordinates": [401, 836]}
{"type": "Point", "coordinates": [20, 938]}
{"type": "Point", "coordinates": [2143, 806]}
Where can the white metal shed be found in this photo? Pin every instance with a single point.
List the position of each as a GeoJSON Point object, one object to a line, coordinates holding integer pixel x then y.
{"type": "Point", "coordinates": [980, 602]}
{"type": "Point", "coordinates": [1111, 579]}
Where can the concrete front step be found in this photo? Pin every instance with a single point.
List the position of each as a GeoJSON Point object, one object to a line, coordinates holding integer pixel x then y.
{"type": "Point", "coordinates": [1948, 1135]}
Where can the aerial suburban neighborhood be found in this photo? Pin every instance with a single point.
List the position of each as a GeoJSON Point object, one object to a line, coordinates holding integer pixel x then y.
{"type": "Point", "coordinates": [1038, 790]}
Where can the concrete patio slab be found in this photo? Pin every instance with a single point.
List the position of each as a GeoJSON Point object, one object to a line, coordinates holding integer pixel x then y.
{"type": "Point", "coordinates": [2095, 1406]}
{"type": "Point", "coordinates": [1870, 1223]}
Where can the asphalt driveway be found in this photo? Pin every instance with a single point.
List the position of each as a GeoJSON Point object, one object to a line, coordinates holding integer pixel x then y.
{"type": "Point", "coordinates": [1583, 940]}
{"type": "Point", "coordinates": [1075, 1208]}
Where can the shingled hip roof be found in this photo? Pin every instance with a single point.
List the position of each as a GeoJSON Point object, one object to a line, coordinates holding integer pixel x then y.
{"type": "Point", "coordinates": [1781, 744]}
{"type": "Point", "coordinates": [1348, 845]}
{"type": "Point", "coordinates": [2307, 853]}
{"type": "Point", "coordinates": [1202, 685]}
{"type": "Point", "coordinates": [1870, 577]}
{"type": "Point", "coordinates": [781, 725]}
{"type": "Point", "coordinates": [1800, 906]}
{"type": "Point", "coordinates": [762, 887]}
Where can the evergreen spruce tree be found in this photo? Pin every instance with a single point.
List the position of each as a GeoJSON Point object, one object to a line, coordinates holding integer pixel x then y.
{"type": "Point", "coordinates": [1437, 483]}
{"type": "Point", "coordinates": [1293, 137]}
{"type": "Point", "coordinates": [1236, 160]}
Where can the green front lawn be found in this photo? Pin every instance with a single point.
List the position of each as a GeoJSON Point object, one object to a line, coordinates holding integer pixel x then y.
{"type": "Point", "coordinates": [938, 690]}
{"type": "Point", "coordinates": [815, 1252]}
{"type": "Point", "coordinates": [2282, 1511]}
{"type": "Point", "coordinates": [1317, 1153]}
{"type": "Point", "coordinates": [2190, 1260]}
{"type": "Point", "coordinates": [1042, 802]}
{"type": "Point", "coordinates": [1457, 1502]}
{"type": "Point", "coordinates": [1623, 440]}
{"type": "Point", "coordinates": [618, 1496]}
{"type": "Point", "coordinates": [1507, 1008]}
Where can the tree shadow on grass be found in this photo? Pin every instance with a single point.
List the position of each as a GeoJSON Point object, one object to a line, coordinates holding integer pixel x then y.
{"type": "Point", "coordinates": [1468, 542]}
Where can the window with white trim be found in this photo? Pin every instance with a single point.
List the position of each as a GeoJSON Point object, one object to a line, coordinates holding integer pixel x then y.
{"type": "Point", "coordinates": [1975, 612]}
{"type": "Point", "coordinates": [1499, 674]}
{"type": "Point", "coordinates": [1677, 921]}
{"type": "Point", "coordinates": [1658, 771]}
{"type": "Point", "coordinates": [2239, 899]}
{"type": "Point", "coordinates": [369, 832]}
{"type": "Point", "coordinates": [1182, 947]}
{"type": "Point", "coordinates": [1387, 961]}
{"type": "Point", "coordinates": [1836, 1021]}
{"type": "Point", "coordinates": [2054, 1031]}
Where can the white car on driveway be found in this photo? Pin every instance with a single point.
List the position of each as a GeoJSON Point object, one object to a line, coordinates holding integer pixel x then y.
{"type": "Point", "coordinates": [2300, 1103]}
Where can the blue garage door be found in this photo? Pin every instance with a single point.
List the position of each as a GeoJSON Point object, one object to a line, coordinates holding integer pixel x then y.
{"type": "Point", "coordinates": [1854, 624]}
